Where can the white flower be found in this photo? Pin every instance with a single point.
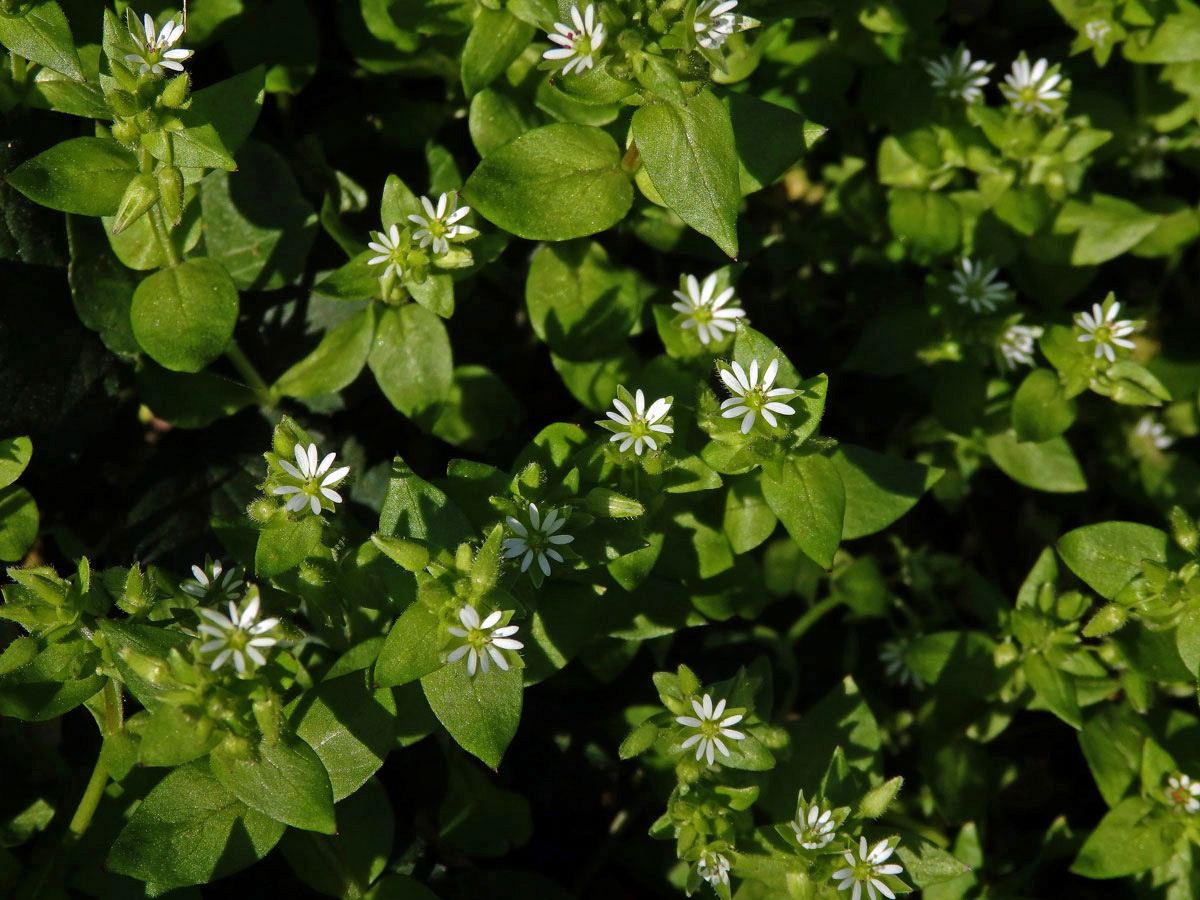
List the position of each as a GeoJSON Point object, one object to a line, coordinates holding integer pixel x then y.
{"type": "Point", "coordinates": [577, 44]}
{"type": "Point", "coordinates": [1098, 31]}
{"type": "Point", "coordinates": [710, 728]}
{"type": "Point", "coordinates": [713, 868]}
{"type": "Point", "coordinates": [536, 540]}
{"type": "Point", "coordinates": [891, 654]}
{"type": "Point", "coordinates": [864, 870]}
{"type": "Point", "coordinates": [638, 423]}
{"type": "Point", "coordinates": [1183, 793]}
{"type": "Point", "coordinates": [1016, 345]}
{"type": "Point", "coordinates": [236, 636]}
{"type": "Point", "coordinates": [1028, 88]}
{"type": "Point", "coordinates": [1154, 433]}
{"type": "Point", "coordinates": [157, 53]}
{"type": "Point", "coordinates": [972, 285]}
{"type": "Point", "coordinates": [714, 22]}
{"type": "Point", "coordinates": [438, 226]}
{"type": "Point", "coordinates": [958, 76]}
{"type": "Point", "coordinates": [704, 312]}
{"type": "Point", "coordinates": [815, 827]}
{"type": "Point", "coordinates": [751, 398]}
{"type": "Point", "coordinates": [316, 480]}
{"type": "Point", "coordinates": [482, 640]}
{"type": "Point", "coordinates": [387, 246]}
{"type": "Point", "coordinates": [215, 582]}
{"type": "Point", "coordinates": [1101, 325]}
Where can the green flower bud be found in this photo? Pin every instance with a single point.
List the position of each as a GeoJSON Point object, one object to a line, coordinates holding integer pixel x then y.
{"type": "Point", "coordinates": [125, 79]}
{"type": "Point", "coordinates": [1184, 529]}
{"type": "Point", "coordinates": [123, 103]}
{"type": "Point", "coordinates": [141, 194]}
{"type": "Point", "coordinates": [176, 91]}
{"type": "Point", "coordinates": [125, 131]}
{"type": "Point", "coordinates": [147, 121]}
{"type": "Point", "coordinates": [1106, 621]}
{"type": "Point", "coordinates": [170, 189]}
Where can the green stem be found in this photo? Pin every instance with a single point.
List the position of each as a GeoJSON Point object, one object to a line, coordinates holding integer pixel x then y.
{"type": "Point", "coordinates": [163, 235]}
{"type": "Point", "coordinates": [113, 721]}
{"type": "Point", "coordinates": [811, 617]}
{"type": "Point", "coordinates": [246, 369]}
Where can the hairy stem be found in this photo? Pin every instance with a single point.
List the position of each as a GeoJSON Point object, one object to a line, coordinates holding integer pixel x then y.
{"type": "Point", "coordinates": [246, 369]}
{"type": "Point", "coordinates": [163, 235]}
{"type": "Point", "coordinates": [113, 721]}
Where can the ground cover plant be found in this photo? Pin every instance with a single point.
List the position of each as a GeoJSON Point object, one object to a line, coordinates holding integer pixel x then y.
{"type": "Point", "coordinates": [625, 449]}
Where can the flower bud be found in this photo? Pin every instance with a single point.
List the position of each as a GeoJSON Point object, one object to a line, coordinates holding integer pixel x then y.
{"type": "Point", "coordinates": [147, 121]}
{"type": "Point", "coordinates": [1106, 621]}
{"type": "Point", "coordinates": [260, 510]}
{"type": "Point", "coordinates": [606, 504]}
{"type": "Point", "coordinates": [125, 131]}
{"type": "Point", "coordinates": [170, 189]}
{"type": "Point", "coordinates": [123, 103]}
{"type": "Point", "coordinates": [1184, 529]}
{"type": "Point", "coordinates": [141, 194]}
{"type": "Point", "coordinates": [176, 91]}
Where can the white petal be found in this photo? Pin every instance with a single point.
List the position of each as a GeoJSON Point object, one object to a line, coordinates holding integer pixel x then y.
{"type": "Point", "coordinates": [491, 620]}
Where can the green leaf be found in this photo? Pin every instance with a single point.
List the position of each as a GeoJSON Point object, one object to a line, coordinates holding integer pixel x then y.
{"type": "Point", "coordinates": [495, 119]}
{"type": "Point", "coordinates": [580, 303]}
{"type": "Point", "coordinates": [184, 316]}
{"type": "Point", "coordinates": [285, 781]}
{"type": "Point", "coordinates": [350, 727]}
{"type": "Point", "coordinates": [411, 359]}
{"type": "Point", "coordinates": [749, 519]}
{"type": "Point", "coordinates": [1107, 227]}
{"type": "Point", "coordinates": [879, 488]}
{"type": "Point", "coordinates": [927, 864]}
{"type": "Point", "coordinates": [435, 293]}
{"type": "Point", "coordinates": [19, 521]}
{"type": "Point", "coordinates": [1111, 741]}
{"type": "Point", "coordinates": [1108, 555]}
{"type": "Point", "coordinates": [769, 139]}
{"type": "Point", "coordinates": [284, 542]}
{"type": "Point", "coordinates": [481, 713]}
{"type": "Point", "coordinates": [345, 864]}
{"type": "Point", "coordinates": [411, 648]}
{"type": "Point", "coordinates": [198, 147]}
{"type": "Point", "coordinates": [414, 508]}
{"type": "Point", "coordinates": [230, 106]}
{"type": "Point", "coordinates": [257, 224]}
{"type": "Point", "coordinates": [1129, 839]}
{"type": "Point", "coordinates": [58, 679]}
{"type": "Point", "coordinates": [1045, 466]}
{"type": "Point", "coordinates": [335, 362]}
{"type": "Point", "coordinates": [1055, 688]}
{"type": "Point", "coordinates": [402, 887]}
{"type": "Point", "coordinates": [101, 287]}
{"type": "Point", "coordinates": [552, 183]}
{"type": "Point", "coordinates": [479, 818]}
{"type": "Point", "coordinates": [42, 35]}
{"type": "Point", "coordinates": [479, 409]}
{"type": "Point", "coordinates": [85, 175]}
{"type": "Point", "coordinates": [926, 221]}
{"type": "Point", "coordinates": [174, 737]}
{"type": "Point", "coordinates": [497, 38]}
{"type": "Point", "coordinates": [1187, 640]}
{"type": "Point", "coordinates": [15, 454]}
{"type": "Point", "coordinates": [355, 280]}
{"type": "Point", "coordinates": [1041, 409]}
{"type": "Point", "coordinates": [190, 830]}
{"type": "Point", "coordinates": [691, 158]}
{"type": "Point", "coordinates": [190, 401]}
{"type": "Point", "coordinates": [808, 497]}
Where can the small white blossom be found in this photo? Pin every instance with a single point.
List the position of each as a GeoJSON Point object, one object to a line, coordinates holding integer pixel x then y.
{"type": "Point", "coordinates": [710, 728]}
{"type": "Point", "coordinates": [577, 43]}
{"type": "Point", "coordinates": [214, 582]}
{"type": "Point", "coordinates": [751, 398]}
{"type": "Point", "coordinates": [713, 868]}
{"type": "Point", "coordinates": [973, 285]}
{"type": "Point", "coordinates": [438, 226]}
{"type": "Point", "coordinates": [1098, 31]}
{"type": "Point", "coordinates": [1183, 793]}
{"type": "Point", "coordinates": [157, 53]}
{"type": "Point", "coordinates": [891, 654]}
{"type": "Point", "coordinates": [814, 827]}
{"type": "Point", "coordinates": [236, 636]}
{"type": "Point", "coordinates": [316, 481]}
{"type": "Point", "coordinates": [482, 640]}
{"type": "Point", "coordinates": [714, 22]}
{"type": "Point", "coordinates": [1017, 344]}
{"type": "Point", "coordinates": [1102, 326]}
{"type": "Point", "coordinates": [958, 76]}
{"type": "Point", "coordinates": [637, 424]}
{"type": "Point", "coordinates": [864, 871]}
{"type": "Point", "coordinates": [536, 540]}
{"type": "Point", "coordinates": [1150, 431]}
{"type": "Point", "coordinates": [703, 311]}
{"type": "Point", "coordinates": [1029, 88]}
{"type": "Point", "coordinates": [387, 247]}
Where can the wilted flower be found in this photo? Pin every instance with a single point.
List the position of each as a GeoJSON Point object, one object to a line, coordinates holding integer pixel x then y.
{"type": "Point", "coordinates": [537, 539]}
{"type": "Point", "coordinates": [865, 869]}
{"type": "Point", "coordinates": [236, 636]}
{"type": "Point", "coordinates": [1030, 88]}
{"type": "Point", "coordinates": [713, 868]}
{"type": "Point", "coordinates": [1017, 343]}
{"type": "Point", "coordinates": [958, 76]}
{"type": "Point", "coordinates": [482, 640]}
{"type": "Point", "coordinates": [710, 728]}
{"type": "Point", "coordinates": [577, 43]}
{"type": "Point", "coordinates": [315, 481]}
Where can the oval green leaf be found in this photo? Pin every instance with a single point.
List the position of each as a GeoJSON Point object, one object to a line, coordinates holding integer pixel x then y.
{"type": "Point", "coordinates": [184, 316]}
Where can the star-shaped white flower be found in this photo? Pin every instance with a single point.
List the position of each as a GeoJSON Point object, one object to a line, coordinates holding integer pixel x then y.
{"type": "Point", "coordinates": [539, 539]}
{"type": "Point", "coordinates": [637, 424]}
{"type": "Point", "coordinates": [958, 76]}
{"type": "Point", "coordinates": [866, 869]}
{"type": "Point", "coordinates": [703, 311]}
{"type": "Point", "coordinates": [1098, 31]}
{"type": "Point", "coordinates": [714, 22]}
{"type": "Point", "coordinates": [316, 481]}
{"type": "Point", "coordinates": [891, 654]}
{"type": "Point", "coordinates": [1102, 326]}
{"type": "Point", "coordinates": [713, 868]}
{"type": "Point", "coordinates": [482, 640]}
{"type": "Point", "coordinates": [579, 42]}
{"type": "Point", "coordinates": [1183, 793]}
{"type": "Point", "coordinates": [236, 636]}
{"type": "Point", "coordinates": [1153, 432]}
{"type": "Point", "coordinates": [751, 398]}
{"type": "Point", "coordinates": [710, 728]}
{"type": "Point", "coordinates": [1016, 345]}
{"type": "Point", "coordinates": [814, 827]}
{"type": "Point", "coordinates": [437, 226]}
{"type": "Point", "coordinates": [973, 285]}
{"type": "Point", "coordinates": [1029, 88]}
{"type": "Point", "coordinates": [156, 53]}
{"type": "Point", "coordinates": [213, 583]}
{"type": "Point", "coordinates": [388, 250]}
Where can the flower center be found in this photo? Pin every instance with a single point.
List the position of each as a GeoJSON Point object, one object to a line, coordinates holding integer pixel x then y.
{"type": "Point", "coordinates": [1179, 797]}
{"type": "Point", "coordinates": [1103, 334]}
